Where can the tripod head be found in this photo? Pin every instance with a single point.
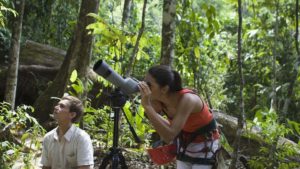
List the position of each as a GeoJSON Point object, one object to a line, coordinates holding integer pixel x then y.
{"type": "Point", "coordinates": [118, 98]}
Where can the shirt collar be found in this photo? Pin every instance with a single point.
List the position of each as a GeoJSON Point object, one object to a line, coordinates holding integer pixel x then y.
{"type": "Point", "coordinates": [68, 135]}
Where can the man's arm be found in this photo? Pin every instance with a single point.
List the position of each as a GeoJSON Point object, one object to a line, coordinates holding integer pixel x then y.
{"type": "Point", "coordinates": [85, 157]}
{"type": "Point", "coordinates": [44, 160]}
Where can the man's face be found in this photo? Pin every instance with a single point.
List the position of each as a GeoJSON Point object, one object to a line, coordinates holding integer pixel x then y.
{"type": "Point", "coordinates": [62, 112]}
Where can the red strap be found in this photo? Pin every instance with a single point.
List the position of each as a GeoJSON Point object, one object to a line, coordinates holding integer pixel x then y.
{"type": "Point", "coordinates": [183, 91]}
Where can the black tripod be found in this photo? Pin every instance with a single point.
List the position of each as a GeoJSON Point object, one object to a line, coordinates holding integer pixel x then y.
{"type": "Point", "coordinates": [115, 155]}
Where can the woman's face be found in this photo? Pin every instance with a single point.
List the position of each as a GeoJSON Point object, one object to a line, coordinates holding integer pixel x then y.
{"type": "Point", "coordinates": [153, 85]}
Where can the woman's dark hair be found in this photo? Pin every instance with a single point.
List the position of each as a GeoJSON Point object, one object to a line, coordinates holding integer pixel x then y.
{"type": "Point", "coordinates": [165, 76]}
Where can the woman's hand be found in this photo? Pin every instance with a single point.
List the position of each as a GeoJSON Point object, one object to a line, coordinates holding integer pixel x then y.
{"type": "Point", "coordinates": [145, 94]}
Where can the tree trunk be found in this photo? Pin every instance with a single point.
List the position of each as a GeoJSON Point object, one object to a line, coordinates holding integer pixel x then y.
{"type": "Point", "coordinates": [241, 119]}
{"type": "Point", "coordinates": [274, 94]}
{"type": "Point", "coordinates": [85, 51]}
{"type": "Point", "coordinates": [126, 11]}
{"type": "Point", "coordinates": [168, 32]}
{"type": "Point", "coordinates": [136, 47]}
{"type": "Point", "coordinates": [12, 74]}
{"type": "Point", "coordinates": [75, 53]}
{"type": "Point", "coordinates": [295, 68]}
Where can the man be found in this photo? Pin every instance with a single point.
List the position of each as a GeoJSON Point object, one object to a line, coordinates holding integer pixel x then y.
{"type": "Point", "coordinates": [67, 146]}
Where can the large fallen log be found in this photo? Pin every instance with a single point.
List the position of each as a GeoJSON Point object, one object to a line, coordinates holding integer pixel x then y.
{"type": "Point", "coordinates": [39, 64]}
{"type": "Point", "coordinates": [249, 146]}
{"type": "Point", "coordinates": [33, 53]}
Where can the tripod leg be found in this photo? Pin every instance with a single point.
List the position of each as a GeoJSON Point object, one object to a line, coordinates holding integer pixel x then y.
{"type": "Point", "coordinates": [105, 161]}
{"type": "Point", "coordinates": [122, 161]}
{"type": "Point", "coordinates": [116, 157]}
{"type": "Point", "coordinates": [115, 161]}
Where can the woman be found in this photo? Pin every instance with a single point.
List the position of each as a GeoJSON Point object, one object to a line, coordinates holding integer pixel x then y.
{"type": "Point", "coordinates": [189, 121]}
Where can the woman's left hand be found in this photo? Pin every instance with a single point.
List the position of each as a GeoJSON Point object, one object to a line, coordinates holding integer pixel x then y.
{"type": "Point", "coordinates": [145, 94]}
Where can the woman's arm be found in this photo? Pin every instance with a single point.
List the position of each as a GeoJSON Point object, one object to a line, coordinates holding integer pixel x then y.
{"type": "Point", "coordinates": [167, 131]}
{"type": "Point", "coordinates": [157, 106]}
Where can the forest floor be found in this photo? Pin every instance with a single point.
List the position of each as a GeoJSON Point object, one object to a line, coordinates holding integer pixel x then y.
{"type": "Point", "coordinates": [133, 160]}
{"type": "Point", "coordinates": [131, 164]}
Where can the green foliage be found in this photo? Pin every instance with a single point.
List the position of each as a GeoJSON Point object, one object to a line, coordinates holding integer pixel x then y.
{"type": "Point", "coordinates": [56, 21]}
{"type": "Point", "coordinates": [5, 37]}
{"type": "Point", "coordinates": [265, 42]}
{"type": "Point", "coordinates": [21, 134]}
{"type": "Point", "coordinates": [115, 44]}
{"type": "Point", "coordinates": [201, 56]}
{"type": "Point", "coordinates": [98, 124]}
{"type": "Point", "coordinates": [4, 9]}
{"type": "Point", "coordinates": [9, 152]}
{"type": "Point", "coordinates": [273, 152]}
{"type": "Point", "coordinates": [296, 129]}
{"type": "Point", "coordinates": [77, 87]}
{"type": "Point", "coordinates": [137, 119]}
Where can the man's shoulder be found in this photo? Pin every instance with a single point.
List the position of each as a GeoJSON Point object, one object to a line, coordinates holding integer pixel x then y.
{"type": "Point", "coordinates": [81, 133]}
{"type": "Point", "coordinates": [50, 134]}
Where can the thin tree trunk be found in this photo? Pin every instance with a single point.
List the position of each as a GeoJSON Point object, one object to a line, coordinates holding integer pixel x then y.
{"type": "Point", "coordinates": [274, 104]}
{"type": "Point", "coordinates": [253, 9]}
{"type": "Point", "coordinates": [274, 95]}
{"type": "Point", "coordinates": [136, 47]}
{"type": "Point", "coordinates": [12, 74]}
{"type": "Point", "coordinates": [297, 29]}
{"type": "Point", "coordinates": [47, 13]}
{"type": "Point", "coordinates": [296, 67]}
{"type": "Point", "coordinates": [168, 32]}
{"type": "Point", "coordinates": [126, 11]}
{"type": "Point", "coordinates": [241, 119]}
{"type": "Point", "coordinates": [85, 52]}
{"type": "Point", "coordinates": [76, 53]}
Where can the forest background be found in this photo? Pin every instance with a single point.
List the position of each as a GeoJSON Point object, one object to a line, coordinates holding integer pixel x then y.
{"type": "Point", "coordinates": [241, 56]}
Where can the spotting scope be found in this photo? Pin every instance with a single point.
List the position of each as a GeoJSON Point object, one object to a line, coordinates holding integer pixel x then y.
{"type": "Point", "coordinates": [127, 85]}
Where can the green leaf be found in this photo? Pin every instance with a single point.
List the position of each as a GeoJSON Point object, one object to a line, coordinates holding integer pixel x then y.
{"type": "Point", "coordinates": [258, 85]}
{"type": "Point", "coordinates": [252, 33]}
{"type": "Point", "coordinates": [197, 52]}
{"type": "Point", "coordinates": [216, 25]}
{"type": "Point", "coordinates": [95, 16]}
{"type": "Point", "coordinates": [295, 125]}
{"type": "Point", "coordinates": [24, 137]}
{"type": "Point", "coordinates": [73, 76]}
{"type": "Point", "coordinates": [259, 115]}
{"type": "Point", "coordinates": [77, 88]}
